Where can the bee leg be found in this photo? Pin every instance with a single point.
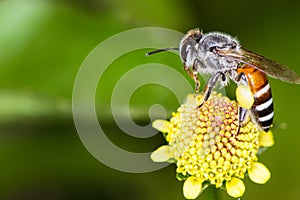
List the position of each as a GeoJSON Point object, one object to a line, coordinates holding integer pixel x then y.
{"type": "Point", "coordinates": [194, 75]}
{"type": "Point", "coordinates": [210, 85]}
{"type": "Point", "coordinates": [241, 79]}
{"type": "Point", "coordinates": [244, 97]}
{"type": "Point", "coordinates": [241, 116]}
{"type": "Point", "coordinates": [196, 79]}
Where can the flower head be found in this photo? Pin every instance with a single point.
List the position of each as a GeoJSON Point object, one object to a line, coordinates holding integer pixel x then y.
{"type": "Point", "coordinates": [209, 148]}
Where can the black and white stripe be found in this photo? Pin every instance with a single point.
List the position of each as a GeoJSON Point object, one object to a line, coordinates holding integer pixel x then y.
{"type": "Point", "coordinates": [263, 108]}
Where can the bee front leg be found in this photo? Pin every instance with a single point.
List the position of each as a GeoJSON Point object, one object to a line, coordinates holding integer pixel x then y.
{"type": "Point", "coordinates": [210, 85]}
{"type": "Point", "coordinates": [194, 75]}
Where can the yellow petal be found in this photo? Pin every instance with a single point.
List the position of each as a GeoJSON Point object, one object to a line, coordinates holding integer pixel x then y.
{"type": "Point", "coordinates": [235, 187]}
{"type": "Point", "coordinates": [162, 154]}
{"type": "Point", "coordinates": [161, 125]}
{"type": "Point", "coordinates": [266, 139]}
{"type": "Point", "coordinates": [244, 96]}
{"type": "Point", "coordinates": [259, 173]}
{"type": "Point", "coordinates": [192, 187]}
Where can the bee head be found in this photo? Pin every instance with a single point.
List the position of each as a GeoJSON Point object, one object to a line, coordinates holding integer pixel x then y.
{"type": "Point", "coordinates": [189, 45]}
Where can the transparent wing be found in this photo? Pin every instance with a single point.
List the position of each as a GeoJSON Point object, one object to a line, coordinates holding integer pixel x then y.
{"type": "Point", "coordinates": [271, 68]}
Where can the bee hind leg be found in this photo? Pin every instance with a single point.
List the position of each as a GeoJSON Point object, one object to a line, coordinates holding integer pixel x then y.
{"type": "Point", "coordinates": [242, 113]}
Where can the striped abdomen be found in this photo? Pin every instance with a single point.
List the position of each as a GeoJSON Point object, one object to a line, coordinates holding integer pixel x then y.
{"type": "Point", "coordinates": [262, 108]}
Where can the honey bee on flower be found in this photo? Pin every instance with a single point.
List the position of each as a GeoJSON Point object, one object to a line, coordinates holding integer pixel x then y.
{"type": "Point", "coordinates": [223, 58]}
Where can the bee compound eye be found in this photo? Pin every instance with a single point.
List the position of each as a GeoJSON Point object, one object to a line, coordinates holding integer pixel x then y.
{"type": "Point", "coordinates": [212, 49]}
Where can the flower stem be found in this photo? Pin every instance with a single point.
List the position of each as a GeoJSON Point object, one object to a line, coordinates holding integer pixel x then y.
{"type": "Point", "coordinates": [211, 193]}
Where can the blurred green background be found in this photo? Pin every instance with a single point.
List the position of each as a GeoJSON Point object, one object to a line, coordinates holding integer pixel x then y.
{"type": "Point", "coordinates": [42, 45]}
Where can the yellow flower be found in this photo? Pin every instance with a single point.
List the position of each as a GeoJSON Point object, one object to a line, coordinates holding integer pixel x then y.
{"type": "Point", "coordinates": [208, 149]}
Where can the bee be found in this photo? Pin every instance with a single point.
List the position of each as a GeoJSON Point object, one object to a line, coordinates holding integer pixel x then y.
{"type": "Point", "coordinates": [222, 58]}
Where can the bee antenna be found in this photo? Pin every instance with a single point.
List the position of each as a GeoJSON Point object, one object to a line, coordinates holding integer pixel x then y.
{"type": "Point", "coordinates": [161, 50]}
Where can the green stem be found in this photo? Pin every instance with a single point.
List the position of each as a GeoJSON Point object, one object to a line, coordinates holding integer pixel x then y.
{"type": "Point", "coordinates": [211, 193]}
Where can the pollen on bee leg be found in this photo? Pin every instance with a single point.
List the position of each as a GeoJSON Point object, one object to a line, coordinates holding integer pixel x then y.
{"type": "Point", "coordinates": [244, 96]}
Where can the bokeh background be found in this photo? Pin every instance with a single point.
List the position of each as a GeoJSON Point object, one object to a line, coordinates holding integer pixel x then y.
{"type": "Point", "coordinates": [42, 45]}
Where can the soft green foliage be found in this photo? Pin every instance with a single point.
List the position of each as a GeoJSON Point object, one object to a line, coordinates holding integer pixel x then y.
{"type": "Point", "coordinates": [42, 45]}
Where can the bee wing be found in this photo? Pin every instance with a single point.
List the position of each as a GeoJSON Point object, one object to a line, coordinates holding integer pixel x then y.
{"type": "Point", "coordinates": [268, 66]}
